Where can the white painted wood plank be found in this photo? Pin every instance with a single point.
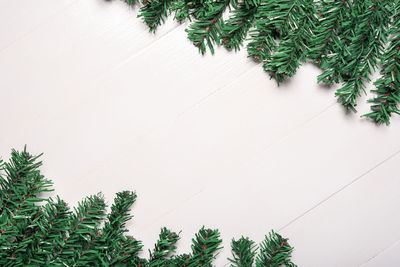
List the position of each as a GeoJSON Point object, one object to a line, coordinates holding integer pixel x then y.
{"type": "Point", "coordinates": [205, 143]}
{"type": "Point", "coordinates": [390, 257]}
{"type": "Point", "coordinates": [285, 180]}
{"type": "Point", "coordinates": [208, 140]}
{"type": "Point", "coordinates": [18, 18]}
{"type": "Point", "coordinates": [144, 93]}
{"type": "Point", "coordinates": [51, 69]}
{"type": "Point", "coordinates": [204, 140]}
{"type": "Point", "coordinates": [353, 225]}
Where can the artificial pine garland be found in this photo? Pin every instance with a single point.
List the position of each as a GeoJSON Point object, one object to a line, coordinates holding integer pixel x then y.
{"type": "Point", "coordinates": [348, 39]}
{"type": "Point", "coordinates": [38, 231]}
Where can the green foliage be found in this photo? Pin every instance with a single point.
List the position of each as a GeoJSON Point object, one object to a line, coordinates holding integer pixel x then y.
{"type": "Point", "coordinates": [206, 29]}
{"type": "Point", "coordinates": [234, 30]}
{"type": "Point", "coordinates": [37, 231]}
{"type": "Point", "coordinates": [365, 48]}
{"type": "Point", "coordinates": [164, 247]}
{"type": "Point", "coordinates": [347, 39]}
{"type": "Point", "coordinates": [20, 220]}
{"type": "Point", "coordinates": [388, 86]}
{"type": "Point", "coordinates": [186, 9]}
{"type": "Point", "coordinates": [244, 252]}
{"type": "Point", "coordinates": [154, 12]}
{"type": "Point", "coordinates": [205, 245]}
{"type": "Point", "coordinates": [274, 251]}
{"type": "Point", "coordinates": [79, 247]}
{"type": "Point", "coordinates": [131, 2]}
{"type": "Point", "coordinates": [262, 36]}
{"type": "Point", "coordinates": [292, 19]}
{"type": "Point", "coordinates": [332, 22]}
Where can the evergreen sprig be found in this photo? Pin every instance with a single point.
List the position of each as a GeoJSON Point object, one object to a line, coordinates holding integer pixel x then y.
{"type": "Point", "coordinates": [332, 22]}
{"type": "Point", "coordinates": [165, 246]}
{"type": "Point", "coordinates": [244, 252]}
{"type": "Point", "coordinates": [336, 25]}
{"type": "Point", "coordinates": [274, 251]}
{"type": "Point", "coordinates": [366, 44]}
{"type": "Point", "coordinates": [262, 36]}
{"type": "Point", "coordinates": [19, 221]}
{"type": "Point", "coordinates": [205, 31]}
{"type": "Point", "coordinates": [36, 231]}
{"type": "Point", "coordinates": [205, 247]}
{"type": "Point", "coordinates": [388, 85]}
{"type": "Point", "coordinates": [347, 39]}
{"type": "Point", "coordinates": [293, 20]}
{"type": "Point", "coordinates": [234, 30]}
{"type": "Point", "coordinates": [186, 9]}
{"type": "Point", "coordinates": [154, 12]}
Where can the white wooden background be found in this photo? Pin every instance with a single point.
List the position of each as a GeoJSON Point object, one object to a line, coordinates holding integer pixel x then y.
{"type": "Point", "coordinates": [203, 140]}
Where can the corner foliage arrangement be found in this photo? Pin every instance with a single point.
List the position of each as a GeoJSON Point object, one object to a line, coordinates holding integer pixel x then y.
{"type": "Point", "coordinates": [36, 231]}
{"type": "Point", "coordinates": [348, 39]}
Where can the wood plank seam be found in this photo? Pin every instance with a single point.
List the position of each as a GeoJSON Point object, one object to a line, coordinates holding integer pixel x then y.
{"type": "Point", "coordinates": [295, 129]}
{"type": "Point", "coordinates": [340, 190]}
{"type": "Point", "coordinates": [35, 28]}
{"type": "Point", "coordinates": [166, 123]}
{"type": "Point", "coordinates": [103, 76]}
{"type": "Point", "coordinates": [380, 252]}
{"type": "Point", "coordinates": [142, 50]}
{"type": "Point", "coordinates": [221, 88]}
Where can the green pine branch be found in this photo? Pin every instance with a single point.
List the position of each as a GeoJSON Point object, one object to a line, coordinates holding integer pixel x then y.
{"type": "Point", "coordinates": [114, 227]}
{"type": "Point", "coordinates": [131, 2]}
{"type": "Point", "coordinates": [186, 9]}
{"type": "Point", "coordinates": [126, 253]}
{"type": "Point", "coordinates": [338, 27]}
{"type": "Point", "coordinates": [24, 182]}
{"type": "Point", "coordinates": [243, 252]}
{"type": "Point", "coordinates": [205, 31]}
{"type": "Point", "coordinates": [235, 29]}
{"type": "Point", "coordinates": [262, 36]}
{"type": "Point", "coordinates": [388, 85]}
{"type": "Point", "coordinates": [37, 231]}
{"type": "Point", "coordinates": [154, 12]}
{"type": "Point", "coordinates": [205, 247]}
{"type": "Point", "coordinates": [331, 23]}
{"type": "Point", "coordinates": [293, 19]}
{"type": "Point", "coordinates": [274, 251]}
{"type": "Point", "coordinates": [111, 239]}
{"type": "Point", "coordinates": [165, 246]}
{"type": "Point", "coordinates": [54, 222]}
{"type": "Point", "coordinates": [20, 189]}
{"type": "Point", "coordinates": [347, 39]}
{"type": "Point", "coordinates": [77, 248]}
{"type": "Point", "coordinates": [370, 34]}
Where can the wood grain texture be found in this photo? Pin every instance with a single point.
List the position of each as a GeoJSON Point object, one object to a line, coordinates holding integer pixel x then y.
{"type": "Point", "coordinates": [203, 139]}
{"type": "Point", "coordinates": [389, 256]}
{"type": "Point", "coordinates": [18, 20]}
